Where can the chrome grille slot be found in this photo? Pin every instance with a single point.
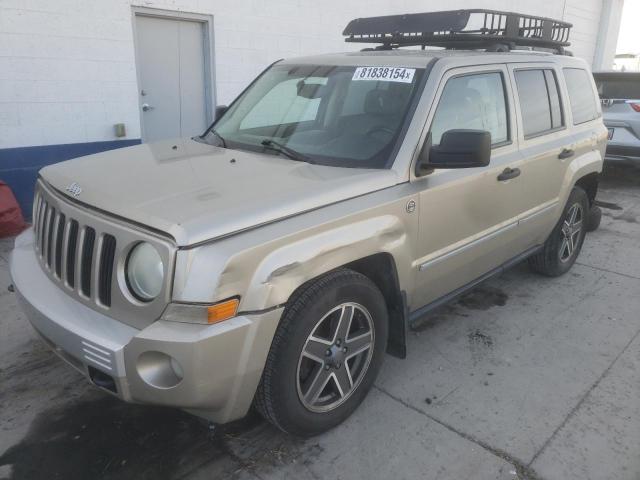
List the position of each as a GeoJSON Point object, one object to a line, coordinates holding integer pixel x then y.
{"type": "Point", "coordinates": [49, 234]}
{"type": "Point", "coordinates": [105, 273]}
{"type": "Point", "coordinates": [86, 261]}
{"type": "Point", "coordinates": [62, 221]}
{"type": "Point", "coordinates": [72, 244]}
{"type": "Point", "coordinates": [41, 229]}
{"type": "Point", "coordinates": [36, 213]}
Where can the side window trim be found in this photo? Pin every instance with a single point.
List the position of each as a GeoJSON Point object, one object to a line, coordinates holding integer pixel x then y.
{"type": "Point", "coordinates": [551, 79]}
{"type": "Point", "coordinates": [543, 69]}
{"type": "Point", "coordinates": [505, 92]}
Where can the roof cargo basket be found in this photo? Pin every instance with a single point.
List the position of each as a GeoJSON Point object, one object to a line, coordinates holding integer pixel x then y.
{"type": "Point", "coordinates": [461, 29]}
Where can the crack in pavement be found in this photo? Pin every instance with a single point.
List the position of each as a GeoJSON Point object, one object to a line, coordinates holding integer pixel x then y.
{"type": "Point", "coordinates": [608, 271]}
{"type": "Point", "coordinates": [524, 472]}
{"type": "Point", "coordinates": [582, 400]}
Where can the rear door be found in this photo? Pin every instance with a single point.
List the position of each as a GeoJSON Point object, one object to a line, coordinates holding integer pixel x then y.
{"type": "Point", "coordinates": [546, 145]}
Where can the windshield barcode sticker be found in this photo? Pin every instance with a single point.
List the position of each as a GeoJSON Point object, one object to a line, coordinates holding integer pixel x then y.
{"type": "Point", "coordinates": [386, 74]}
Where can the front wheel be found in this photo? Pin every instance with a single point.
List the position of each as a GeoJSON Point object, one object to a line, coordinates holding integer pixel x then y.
{"type": "Point", "coordinates": [325, 355]}
{"type": "Point", "coordinates": [562, 247]}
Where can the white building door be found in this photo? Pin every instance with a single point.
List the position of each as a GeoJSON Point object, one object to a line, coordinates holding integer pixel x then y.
{"type": "Point", "coordinates": [172, 77]}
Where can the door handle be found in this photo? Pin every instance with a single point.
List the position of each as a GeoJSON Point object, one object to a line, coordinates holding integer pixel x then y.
{"type": "Point", "coordinates": [508, 174]}
{"type": "Point", "coordinates": [566, 153]}
{"type": "Point", "coordinates": [146, 107]}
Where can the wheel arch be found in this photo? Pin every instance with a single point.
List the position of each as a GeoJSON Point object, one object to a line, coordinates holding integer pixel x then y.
{"type": "Point", "coordinates": [589, 183]}
{"type": "Point", "coordinates": [381, 269]}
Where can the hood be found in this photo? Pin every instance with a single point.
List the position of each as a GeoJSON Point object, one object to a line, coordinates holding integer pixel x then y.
{"type": "Point", "coordinates": [197, 192]}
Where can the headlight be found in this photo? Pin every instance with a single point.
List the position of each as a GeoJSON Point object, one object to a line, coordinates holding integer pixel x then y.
{"type": "Point", "coordinates": [145, 272]}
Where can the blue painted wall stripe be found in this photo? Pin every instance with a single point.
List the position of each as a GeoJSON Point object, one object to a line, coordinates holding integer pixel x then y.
{"type": "Point", "coordinates": [19, 167]}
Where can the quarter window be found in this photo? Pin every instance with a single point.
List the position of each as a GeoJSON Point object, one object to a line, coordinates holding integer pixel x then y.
{"type": "Point", "coordinates": [475, 102]}
{"type": "Point", "coordinates": [539, 101]}
{"type": "Point", "coordinates": [581, 95]}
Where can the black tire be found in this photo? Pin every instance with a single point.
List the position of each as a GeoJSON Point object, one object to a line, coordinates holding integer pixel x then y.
{"type": "Point", "coordinates": [594, 218]}
{"type": "Point", "coordinates": [279, 397]}
{"type": "Point", "coordinates": [554, 259]}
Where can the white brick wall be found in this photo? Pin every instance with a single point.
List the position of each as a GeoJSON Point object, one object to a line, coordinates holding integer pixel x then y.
{"type": "Point", "coordinates": [67, 68]}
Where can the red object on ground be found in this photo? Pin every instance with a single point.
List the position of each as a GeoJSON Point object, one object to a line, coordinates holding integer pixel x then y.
{"type": "Point", "coordinates": [11, 219]}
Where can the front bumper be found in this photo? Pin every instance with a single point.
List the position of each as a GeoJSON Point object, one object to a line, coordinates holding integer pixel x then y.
{"type": "Point", "coordinates": [221, 364]}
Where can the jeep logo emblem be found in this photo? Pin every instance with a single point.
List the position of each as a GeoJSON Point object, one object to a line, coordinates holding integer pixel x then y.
{"type": "Point", "coordinates": [74, 189]}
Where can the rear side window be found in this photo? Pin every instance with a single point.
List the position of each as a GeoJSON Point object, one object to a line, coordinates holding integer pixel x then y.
{"type": "Point", "coordinates": [581, 95]}
{"type": "Point", "coordinates": [539, 101]}
{"type": "Point", "coordinates": [475, 102]}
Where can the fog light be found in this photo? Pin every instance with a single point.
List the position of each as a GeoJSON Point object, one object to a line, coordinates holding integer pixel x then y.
{"type": "Point", "coordinates": [159, 370]}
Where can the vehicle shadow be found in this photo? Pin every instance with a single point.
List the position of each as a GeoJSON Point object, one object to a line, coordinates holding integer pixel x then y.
{"type": "Point", "coordinates": [102, 437]}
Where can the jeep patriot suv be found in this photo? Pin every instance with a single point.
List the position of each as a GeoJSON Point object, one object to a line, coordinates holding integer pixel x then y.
{"type": "Point", "coordinates": [274, 260]}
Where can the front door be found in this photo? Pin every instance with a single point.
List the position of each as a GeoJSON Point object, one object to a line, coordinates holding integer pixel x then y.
{"type": "Point", "coordinates": [172, 77]}
{"type": "Point", "coordinates": [469, 217]}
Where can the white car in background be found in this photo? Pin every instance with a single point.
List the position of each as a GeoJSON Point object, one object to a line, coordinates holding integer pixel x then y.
{"type": "Point", "coordinates": [620, 97]}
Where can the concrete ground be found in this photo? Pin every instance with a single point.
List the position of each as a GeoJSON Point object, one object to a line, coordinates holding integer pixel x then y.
{"type": "Point", "coordinates": [525, 377]}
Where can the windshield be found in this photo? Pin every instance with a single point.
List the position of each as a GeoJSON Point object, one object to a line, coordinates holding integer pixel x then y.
{"type": "Point", "coordinates": [342, 116]}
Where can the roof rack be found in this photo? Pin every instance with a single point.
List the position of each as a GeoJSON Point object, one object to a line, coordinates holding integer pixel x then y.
{"type": "Point", "coordinates": [492, 30]}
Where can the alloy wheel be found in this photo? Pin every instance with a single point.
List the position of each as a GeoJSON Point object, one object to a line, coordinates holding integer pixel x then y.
{"type": "Point", "coordinates": [571, 228]}
{"type": "Point", "coordinates": [335, 357]}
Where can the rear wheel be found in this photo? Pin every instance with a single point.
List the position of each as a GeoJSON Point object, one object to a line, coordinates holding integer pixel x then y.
{"type": "Point", "coordinates": [595, 215]}
{"type": "Point", "coordinates": [325, 354]}
{"type": "Point", "coordinates": [562, 247]}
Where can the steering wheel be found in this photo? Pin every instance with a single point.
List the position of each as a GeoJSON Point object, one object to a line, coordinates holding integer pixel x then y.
{"type": "Point", "coordinates": [380, 128]}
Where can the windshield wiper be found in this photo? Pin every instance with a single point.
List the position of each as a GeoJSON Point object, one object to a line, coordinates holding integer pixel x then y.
{"type": "Point", "coordinates": [289, 152]}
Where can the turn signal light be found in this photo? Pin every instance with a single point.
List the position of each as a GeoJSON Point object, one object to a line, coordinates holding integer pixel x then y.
{"type": "Point", "coordinates": [635, 106]}
{"type": "Point", "coordinates": [222, 311]}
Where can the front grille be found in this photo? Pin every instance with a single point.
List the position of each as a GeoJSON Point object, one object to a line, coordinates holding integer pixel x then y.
{"type": "Point", "coordinates": [81, 250]}
{"type": "Point", "coordinates": [70, 251]}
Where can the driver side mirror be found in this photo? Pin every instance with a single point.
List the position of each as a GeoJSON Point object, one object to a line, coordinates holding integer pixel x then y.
{"type": "Point", "coordinates": [457, 149]}
{"type": "Point", "coordinates": [220, 110]}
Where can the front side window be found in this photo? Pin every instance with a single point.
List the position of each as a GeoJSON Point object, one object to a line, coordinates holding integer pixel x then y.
{"type": "Point", "coordinates": [474, 102]}
{"type": "Point", "coordinates": [581, 95]}
{"type": "Point", "coordinates": [332, 115]}
{"type": "Point", "coordinates": [539, 101]}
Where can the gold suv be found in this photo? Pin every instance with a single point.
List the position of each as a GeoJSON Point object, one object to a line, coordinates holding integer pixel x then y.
{"type": "Point", "coordinates": [274, 260]}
